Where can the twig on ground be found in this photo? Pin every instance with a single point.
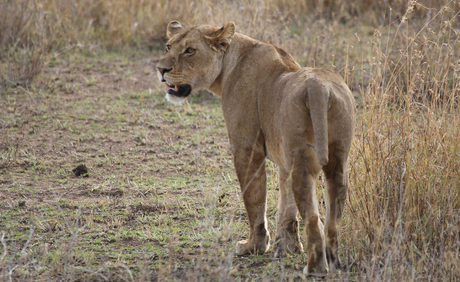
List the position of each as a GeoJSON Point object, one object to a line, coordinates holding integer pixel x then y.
{"type": "Point", "coordinates": [31, 234]}
{"type": "Point", "coordinates": [129, 271]}
{"type": "Point", "coordinates": [4, 247]}
{"type": "Point", "coordinates": [28, 92]}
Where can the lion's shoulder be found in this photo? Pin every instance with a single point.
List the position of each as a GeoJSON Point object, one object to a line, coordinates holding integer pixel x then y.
{"type": "Point", "coordinates": [267, 55]}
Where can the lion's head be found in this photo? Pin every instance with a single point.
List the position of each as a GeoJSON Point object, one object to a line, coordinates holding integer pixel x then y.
{"type": "Point", "coordinates": [193, 57]}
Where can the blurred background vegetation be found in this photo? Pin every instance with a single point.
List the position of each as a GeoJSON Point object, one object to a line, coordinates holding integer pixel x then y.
{"type": "Point", "coordinates": [31, 29]}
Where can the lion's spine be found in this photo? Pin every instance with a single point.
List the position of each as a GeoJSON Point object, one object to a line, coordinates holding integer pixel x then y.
{"type": "Point", "coordinates": [318, 103]}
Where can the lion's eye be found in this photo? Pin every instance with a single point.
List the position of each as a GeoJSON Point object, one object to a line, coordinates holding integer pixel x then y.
{"type": "Point", "coordinates": [167, 48]}
{"type": "Point", "coordinates": [189, 51]}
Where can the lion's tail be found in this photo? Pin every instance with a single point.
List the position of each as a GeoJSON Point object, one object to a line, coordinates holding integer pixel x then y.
{"type": "Point", "coordinates": [318, 103]}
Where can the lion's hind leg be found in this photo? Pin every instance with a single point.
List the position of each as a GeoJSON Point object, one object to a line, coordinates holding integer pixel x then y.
{"type": "Point", "coordinates": [305, 170]}
{"type": "Point", "coordinates": [336, 194]}
{"type": "Point", "coordinates": [287, 235]}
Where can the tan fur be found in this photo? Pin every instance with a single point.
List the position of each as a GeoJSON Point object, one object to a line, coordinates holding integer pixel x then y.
{"type": "Point", "coordinates": [300, 118]}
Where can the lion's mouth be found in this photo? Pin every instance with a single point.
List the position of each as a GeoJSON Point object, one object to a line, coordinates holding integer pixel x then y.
{"type": "Point", "coordinates": [181, 91]}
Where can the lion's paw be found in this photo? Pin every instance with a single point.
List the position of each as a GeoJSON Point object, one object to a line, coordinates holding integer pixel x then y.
{"type": "Point", "coordinates": [287, 242]}
{"type": "Point", "coordinates": [317, 268]}
{"type": "Point", "coordinates": [283, 247]}
{"type": "Point", "coordinates": [244, 247]}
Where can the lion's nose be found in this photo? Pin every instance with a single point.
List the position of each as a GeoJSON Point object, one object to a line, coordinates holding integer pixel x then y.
{"type": "Point", "coordinates": [163, 70]}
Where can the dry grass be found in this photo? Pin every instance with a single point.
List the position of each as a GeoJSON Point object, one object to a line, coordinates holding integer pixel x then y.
{"type": "Point", "coordinates": [403, 215]}
{"type": "Point", "coordinates": [23, 41]}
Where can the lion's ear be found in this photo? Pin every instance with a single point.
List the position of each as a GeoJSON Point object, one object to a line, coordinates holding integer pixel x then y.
{"type": "Point", "coordinates": [223, 39]}
{"type": "Point", "coordinates": [174, 27]}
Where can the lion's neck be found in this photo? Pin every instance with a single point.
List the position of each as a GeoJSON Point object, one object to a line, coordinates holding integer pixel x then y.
{"type": "Point", "coordinates": [241, 44]}
{"type": "Point", "coordinates": [241, 56]}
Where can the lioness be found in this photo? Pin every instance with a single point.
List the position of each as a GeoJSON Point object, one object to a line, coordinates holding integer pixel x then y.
{"type": "Point", "coordinates": [300, 118]}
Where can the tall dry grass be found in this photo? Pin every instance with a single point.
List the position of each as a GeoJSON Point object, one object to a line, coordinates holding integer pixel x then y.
{"type": "Point", "coordinates": [405, 199]}
{"type": "Point", "coordinates": [401, 60]}
{"type": "Point", "coordinates": [23, 41]}
{"type": "Point", "coordinates": [117, 23]}
{"type": "Point", "coordinates": [31, 29]}
{"type": "Point", "coordinates": [50, 25]}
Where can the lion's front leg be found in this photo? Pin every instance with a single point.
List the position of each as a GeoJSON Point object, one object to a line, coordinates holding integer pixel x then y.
{"type": "Point", "coordinates": [250, 168]}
